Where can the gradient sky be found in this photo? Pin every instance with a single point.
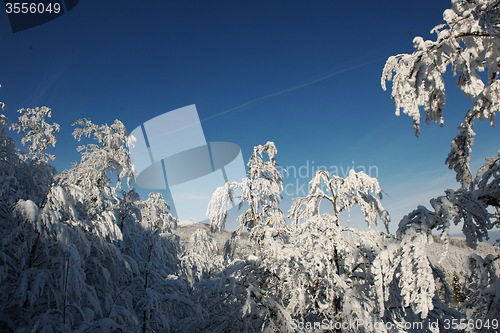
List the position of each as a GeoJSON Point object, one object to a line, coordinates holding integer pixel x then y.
{"type": "Point", "coordinates": [304, 74]}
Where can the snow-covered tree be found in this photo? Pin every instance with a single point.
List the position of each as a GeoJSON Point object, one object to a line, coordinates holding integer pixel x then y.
{"type": "Point", "coordinates": [84, 255]}
{"type": "Point", "coordinates": [476, 208]}
{"type": "Point", "coordinates": [157, 290]}
{"type": "Point", "coordinates": [61, 273]}
{"type": "Point", "coordinates": [481, 291]}
{"type": "Point", "coordinates": [321, 234]}
{"type": "Point", "coordinates": [128, 211]}
{"type": "Point", "coordinates": [9, 166]}
{"type": "Point", "coordinates": [317, 270]}
{"type": "Point", "coordinates": [42, 271]}
{"type": "Point", "coordinates": [261, 191]}
{"type": "Point", "coordinates": [26, 176]}
{"type": "Point", "coordinates": [358, 274]}
{"type": "Point", "coordinates": [342, 193]}
{"type": "Point", "coordinates": [102, 163]}
{"type": "Point", "coordinates": [22, 245]}
{"type": "Point", "coordinates": [201, 259]}
{"type": "Point", "coordinates": [37, 132]}
{"type": "Point", "coordinates": [469, 44]}
{"type": "Point", "coordinates": [29, 246]}
{"type": "Point", "coordinates": [39, 135]}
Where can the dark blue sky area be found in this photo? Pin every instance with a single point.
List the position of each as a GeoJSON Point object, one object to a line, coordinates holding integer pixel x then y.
{"type": "Point", "coordinates": [134, 60]}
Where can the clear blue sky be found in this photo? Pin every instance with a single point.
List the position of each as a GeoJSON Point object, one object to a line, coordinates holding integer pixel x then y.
{"type": "Point", "coordinates": [134, 60]}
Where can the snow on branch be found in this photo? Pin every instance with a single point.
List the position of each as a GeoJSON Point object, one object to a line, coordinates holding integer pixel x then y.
{"type": "Point", "coordinates": [342, 193]}
{"type": "Point", "coordinates": [476, 208]}
{"type": "Point", "coordinates": [37, 132]}
{"type": "Point", "coordinates": [261, 191]}
{"type": "Point", "coordinates": [469, 44]}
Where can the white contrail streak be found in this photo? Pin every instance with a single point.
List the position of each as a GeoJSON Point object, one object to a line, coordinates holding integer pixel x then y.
{"type": "Point", "coordinates": [284, 91]}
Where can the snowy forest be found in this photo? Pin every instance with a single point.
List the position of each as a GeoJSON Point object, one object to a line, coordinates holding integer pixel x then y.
{"type": "Point", "coordinates": [81, 252]}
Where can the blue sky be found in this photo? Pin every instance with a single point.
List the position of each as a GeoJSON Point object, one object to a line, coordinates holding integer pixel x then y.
{"type": "Point", "coordinates": [306, 75]}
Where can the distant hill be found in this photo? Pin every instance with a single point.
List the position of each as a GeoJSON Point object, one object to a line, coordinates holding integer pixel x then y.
{"type": "Point", "coordinates": [454, 259]}
{"type": "Point", "coordinates": [494, 236]}
{"type": "Point", "coordinates": [449, 261]}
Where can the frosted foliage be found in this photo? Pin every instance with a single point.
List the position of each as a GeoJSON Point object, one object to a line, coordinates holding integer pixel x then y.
{"type": "Point", "coordinates": [417, 281]}
{"type": "Point", "coordinates": [328, 267]}
{"type": "Point", "coordinates": [260, 191]}
{"type": "Point", "coordinates": [292, 275]}
{"type": "Point", "coordinates": [79, 255]}
{"type": "Point", "coordinates": [51, 277]}
{"type": "Point", "coordinates": [22, 177]}
{"type": "Point", "coordinates": [3, 128]}
{"type": "Point", "coordinates": [9, 163]}
{"type": "Point", "coordinates": [469, 44]}
{"type": "Point", "coordinates": [384, 269]}
{"type": "Point", "coordinates": [159, 297]}
{"type": "Point", "coordinates": [316, 269]}
{"type": "Point", "coordinates": [220, 203]}
{"type": "Point", "coordinates": [199, 260]}
{"type": "Point", "coordinates": [488, 185]}
{"type": "Point", "coordinates": [29, 209]}
{"type": "Point", "coordinates": [38, 134]}
{"type": "Point", "coordinates": [460, 155]}
{"type": "Point", "coordinates": [404, 266]}
{"type": "Point", "coordinates": [476, 208]}
{"type": "Point", "coordinates": [482, 289]}
{"type": "Point", "coordinates": [8, 157]}
{"type": "Point", "coordinates": [99, 163]}
{"type": "Point", "coordinates": [155, 215]}
{"type": "Point", "coordinates": [314, 272]}
{"type": "Point", "coordinates": [343, 193]}
{"type": "Point", "coordinates": [109, 155]}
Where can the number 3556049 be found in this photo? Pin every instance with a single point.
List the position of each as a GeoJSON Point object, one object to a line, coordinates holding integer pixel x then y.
{"type": "Point", "coordinates": [32, 8]}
